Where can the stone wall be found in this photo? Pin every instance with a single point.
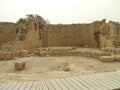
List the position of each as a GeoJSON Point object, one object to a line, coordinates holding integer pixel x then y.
{"type": "Point", "coordinates": [110, 35]}
{"type": "Point", "coordinates": [31, 35]}
{"type": "Point", "coordinates": [70, 35]}
{"type": "Point", "coordinates": [7, 32]}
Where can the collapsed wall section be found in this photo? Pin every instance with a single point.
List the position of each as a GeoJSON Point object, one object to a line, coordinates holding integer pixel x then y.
{"type": "Point", "coordinates": [110, 35]}
{"type": "Point", "coordinates": [29, 35]}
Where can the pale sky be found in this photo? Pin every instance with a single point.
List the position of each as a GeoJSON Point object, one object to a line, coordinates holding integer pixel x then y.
{"type": "Point", "coordinates": [61, 11]}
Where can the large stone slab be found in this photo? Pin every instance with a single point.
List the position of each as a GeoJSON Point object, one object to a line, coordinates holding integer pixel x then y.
{"type": "Point", "coordinates": [107, 58]}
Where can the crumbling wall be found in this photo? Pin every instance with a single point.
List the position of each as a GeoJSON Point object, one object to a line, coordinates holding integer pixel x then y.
{"type": "Point", "coordinates": [22, 36]}
{"type": "Point", "coordinates": [110, 35]}
{"type": "Point", "coordinates": [30, 35]}
{"type": "Point", "coordinates": [97, 34]}
{"type": "Point", "coordinates": [7, 32]}
{"type": "Point", "coordinates": [71, 35]}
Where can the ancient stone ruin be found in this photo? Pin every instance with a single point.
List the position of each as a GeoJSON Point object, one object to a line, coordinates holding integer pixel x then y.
{"type": "Point", "coordinates": [99, 40]}
{"type": "Point", "coordinates": [20, 65]}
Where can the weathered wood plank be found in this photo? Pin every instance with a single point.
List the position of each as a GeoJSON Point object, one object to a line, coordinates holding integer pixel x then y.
{"type": "Point", "coordinates": [90, 87]}
{"type": "Point", "coordinates": [17, 86]}
{"type": "Point", "coordinates": [37, 86]}
{"type": "Point", "coordinates": [114, 76]}
{"type": "Point", "coordinates": [102, 81]}
{"type": "Point", "coordinates": [110, 80]}
{"type": "Point", "coordinates": [23, 85]}
{"type": "Point", "coordinates": [98, 82]}
{"type": "Point", "coordinates": [105, 81]}
{"type": "Point", "coordinates": [50, 85]}
{"type": "Point", "coordinates": [12, 86]}
{"type": "Point", "coordinates": [79, 84]}
{"type": "Point", "coordinates": [94, 82]}
{"type": "Point", "coordinates": [3, 85]}
{"type": "Point", "coordinates": [113, 80]}
{"type": "Point", "coordinates": [45, 87]}
{"type": "Point", "coordinates": [29, 85]}
{"type": "Point", "coordinates": [34, 86]}
{"type": "Point", "coordinates": [40, 85]}
{"type": "Point", "coordinates": [56, 85]}
{"type": "Point", "coordinates": [6, 86]}
{"type": "Point", "coordinates": [76, 87]}
{"type": "Point", "coordinates": [61, 84]}
{"type": "Point", "coordinates": [68, 84]}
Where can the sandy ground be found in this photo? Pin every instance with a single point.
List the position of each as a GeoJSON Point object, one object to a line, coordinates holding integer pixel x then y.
{"type": "Point", "coordinates": [44, 68]}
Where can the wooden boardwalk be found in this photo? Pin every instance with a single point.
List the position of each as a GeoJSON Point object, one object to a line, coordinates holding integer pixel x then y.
{"type": "Point", "coordinates": [103, 81]}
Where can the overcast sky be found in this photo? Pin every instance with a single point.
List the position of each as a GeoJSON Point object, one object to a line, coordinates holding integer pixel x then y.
{"type": "Point", "coordinates": [61, 11]}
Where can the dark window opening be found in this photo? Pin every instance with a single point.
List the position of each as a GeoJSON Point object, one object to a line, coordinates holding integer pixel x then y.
{"type": "Point", "coordinates": [35, 26]}
{"type": "Point", "coordinates": [40, 35]}
{"type": "Point", "coordinates": [17, 30]}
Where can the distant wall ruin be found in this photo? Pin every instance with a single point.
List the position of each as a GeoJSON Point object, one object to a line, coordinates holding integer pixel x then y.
{"type": "Point", "coordinates": [98, 34]}
{"type": "Point", "coordinates": [7, 32]}
{"type": "Point", "coordinates": [30, 35]}
{"type": "Point", "coordinates": [70, 35]}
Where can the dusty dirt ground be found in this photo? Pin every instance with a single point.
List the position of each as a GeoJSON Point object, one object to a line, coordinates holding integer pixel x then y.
{"type": "Point", "coordinates": [44, 68]}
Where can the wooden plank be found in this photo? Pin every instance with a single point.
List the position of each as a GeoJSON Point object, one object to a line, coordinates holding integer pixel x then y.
{"type": "Point", "coordinates": [29, 85]}
{"type": "Point", "coordinates": [114, 76]}
{"type": "Point", "coordinates": [98, 82]}
{"type": "Point", "coordinates": [3, 85]}
{"type": "Point", "coordinates": [115, 82]}
{"type": "Point", "coordinates": [94, 82]}
{"type": "Point", "coordinates": [90, 87]}
{"type": "Point", "coordinates": [12, 86]}
{"type": "Point", "coordinates": [45, 87]}
{"type": "Point", "coordinates": [50, 85]}
{"type": "Point", "coordinates": [40, 85]}
{"type": "Point", "coordinates": [61, 84]}
{"type": "Point", "coordinates": [56, 85]}
{"type": "Point", "coordinates": [102, 81]}
{"type": "Point", "coordinates": [105, 81]}
{"type": "Point", "coordinates": [23, 85]}
{"type": "Point", "coordinates": [17, 86]}
{"type": "Point", "coordinates": [76, 87]}
{"type": "Point", "coordinates": [34, 86]}
{"type": "Point", "coordinates": [6, 86]}
{"type": "Point", "coordinates": [68, 84]}
{"type": "Point", "coordinates": [79, 84]}
{"type": "Point", "coordinates": [110, 80]}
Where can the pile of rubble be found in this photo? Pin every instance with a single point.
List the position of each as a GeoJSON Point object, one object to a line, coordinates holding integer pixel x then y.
{"type": "Point", "coordinates": [115, 54]}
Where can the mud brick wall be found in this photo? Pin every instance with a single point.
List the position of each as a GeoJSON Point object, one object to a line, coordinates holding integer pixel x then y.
{"type": "Point", "coordinates": [70, 35]}
{"type": "Point", "coordinates": [7, 32]}
{"type": "Point", "coordinates": [30, 35]}
{"type": "Point", "coordinates": [109, 35]}
{"type": "Point", "coordinates": [32, 38]}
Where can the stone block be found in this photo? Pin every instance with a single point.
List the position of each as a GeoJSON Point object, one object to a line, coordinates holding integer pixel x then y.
{"type": "Point", "coordinates": [117, 57]}
{"type": "Point", "coordinates": [20, 65]}
{"type": "Point", "coordinates": [23, 53]}
{"type": "Point", "coordinates": [107, 58]}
